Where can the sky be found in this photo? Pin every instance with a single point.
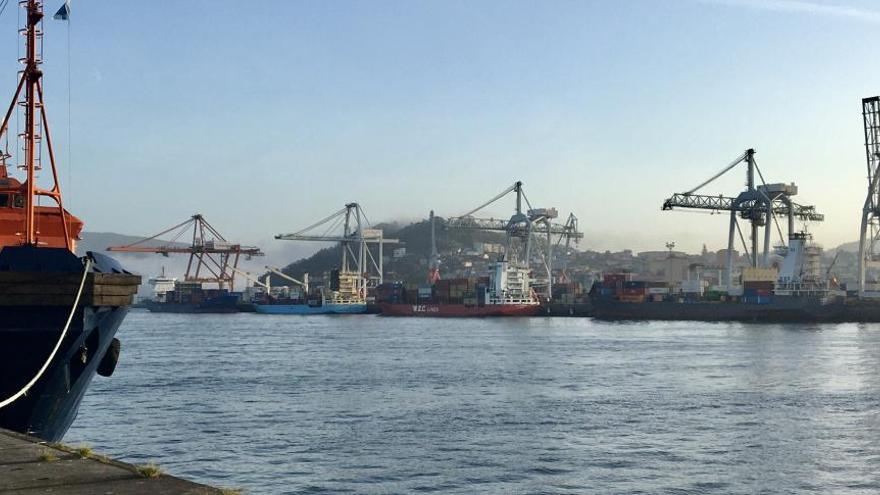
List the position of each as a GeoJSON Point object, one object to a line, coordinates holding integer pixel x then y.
{"type": "Point", "coordinates": [267, 116]}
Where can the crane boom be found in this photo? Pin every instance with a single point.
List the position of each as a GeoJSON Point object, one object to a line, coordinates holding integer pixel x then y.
{"type": "Point", "coordinates": [212, 258]}
{"type": "Point", "coordinates": [252, 279]}
{"type": "Point", "coordinates": [759, 204]}
{"type": "Point", "coordinates": [354, 240]}
{"type": "Point", "coordinates": [726, 203]}
{"type": "Point", "coordinates": [304, 283]}
{"type": "Point", "coordinates": [524, 227]}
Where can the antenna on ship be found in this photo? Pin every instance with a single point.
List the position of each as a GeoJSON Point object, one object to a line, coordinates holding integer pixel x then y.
{"type": "Point", "coordinates": [434, 261]}
{"type": "Point", "coordinates": [36, 127]}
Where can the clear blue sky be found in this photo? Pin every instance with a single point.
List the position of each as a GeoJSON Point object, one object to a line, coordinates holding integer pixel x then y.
{"type": "Point", "coordinates": [265, 116]}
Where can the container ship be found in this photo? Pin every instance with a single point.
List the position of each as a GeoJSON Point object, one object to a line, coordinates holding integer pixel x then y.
{"type": "Point", "coordinates": [793, 291]}
{"type": "Point", "coordinates": [505, 292]}
{"type": "Point", "coordinates": [59, 312]}
{"type": "Point", "coordinates": [193, 297]}
{"type": "Point", "coordinates": [213, 261]}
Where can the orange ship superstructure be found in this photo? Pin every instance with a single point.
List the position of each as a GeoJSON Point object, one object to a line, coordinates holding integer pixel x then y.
{"type": "Point", "coordinates": [49, 221]}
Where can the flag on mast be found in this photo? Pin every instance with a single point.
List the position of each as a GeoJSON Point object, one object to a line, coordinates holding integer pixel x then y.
{"type": "Point", "coordinates": [63, 13]}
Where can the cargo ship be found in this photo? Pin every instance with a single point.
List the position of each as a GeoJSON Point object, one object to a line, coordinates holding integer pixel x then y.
{"type": "Point", "coordinates": [794, 290]}
{"type": "Point", "coordinates": [192, 297]}
{"type": "Point", "coordinates": [506, 291]}
{"type": "Point", "coordinates": [342, 297]}
{"type": "Point", "coordinates": [59, 312]}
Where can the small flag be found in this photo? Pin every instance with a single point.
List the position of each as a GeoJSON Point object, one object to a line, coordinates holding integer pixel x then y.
{"type": "Point", "coordinates": [63, 13]}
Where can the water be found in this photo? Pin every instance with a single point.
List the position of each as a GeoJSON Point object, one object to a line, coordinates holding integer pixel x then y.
{"type": "Point", "coordinates": [364, 404]}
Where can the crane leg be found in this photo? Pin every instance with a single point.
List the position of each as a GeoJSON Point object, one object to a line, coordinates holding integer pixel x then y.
{"type": "Point", "coordinates": [730, 236]}
{"type": "Point", "coordinates": [765, 259]}
{"type": "Point", "coordinates": [863, 251]}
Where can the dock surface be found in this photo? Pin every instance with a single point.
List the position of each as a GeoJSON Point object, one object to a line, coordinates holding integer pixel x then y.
{"type": "Point", "coordinates": [29, 466]}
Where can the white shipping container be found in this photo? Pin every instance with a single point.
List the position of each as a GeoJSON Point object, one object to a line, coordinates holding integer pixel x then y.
{"type": "Point", "coordinates": [693, 286]}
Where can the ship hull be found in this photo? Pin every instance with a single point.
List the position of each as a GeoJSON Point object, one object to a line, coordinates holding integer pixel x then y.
{"type": "Point", "coordinates": [220, 306]}
{"type": "Point", "coordinates": [781, 310]}
{"type": "Point", "coordinates": [49, 409]}
{"type": "Point", "coordinates": [304, 309]}
{"type": "Point", "coordinates": [459, 310]}
{"type": "Point", "coordinates": [29, 333]}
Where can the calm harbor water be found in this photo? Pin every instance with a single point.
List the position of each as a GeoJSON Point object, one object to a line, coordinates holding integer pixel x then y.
{"type": "Point", "coordinates": [364, 404]}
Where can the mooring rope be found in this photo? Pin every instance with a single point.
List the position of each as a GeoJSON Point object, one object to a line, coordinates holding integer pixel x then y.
{"type": "Point", "coordinates": [39, 374]}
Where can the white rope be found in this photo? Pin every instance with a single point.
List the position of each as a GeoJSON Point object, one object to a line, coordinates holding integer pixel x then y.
{"type": "Point", "coordinates": [39, 374]}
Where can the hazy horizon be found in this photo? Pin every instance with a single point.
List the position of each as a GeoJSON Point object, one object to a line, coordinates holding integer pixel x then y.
{"type": "Point", "coordinates": [268, 119]}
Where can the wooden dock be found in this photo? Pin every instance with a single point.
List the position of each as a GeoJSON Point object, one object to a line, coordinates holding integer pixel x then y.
{"type": "Point", "coordinates": [28, 466]}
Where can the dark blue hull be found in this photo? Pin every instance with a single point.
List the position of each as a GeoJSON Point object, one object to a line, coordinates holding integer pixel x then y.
{"type": "Point", "coordinates": [226, 305]}
{"type": "Point", "coordinates": [28, 333]}
{"type": "Point", "coordinates": [779, 310]}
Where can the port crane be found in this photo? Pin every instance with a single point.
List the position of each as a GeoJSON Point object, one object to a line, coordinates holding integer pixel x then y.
{"type": "Point", "coordinates": [523, 229]}
{"type": "Point", "coordinates": [212, 258]}
{"type": "Point", "coordinates": [759, 204]}
{"type": "Point", "coordinates": [355, 238]}
{"type": "Point", "coordinates": [870, 227]}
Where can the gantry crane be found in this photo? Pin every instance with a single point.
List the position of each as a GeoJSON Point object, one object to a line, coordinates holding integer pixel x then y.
{"type": "Point", "coordinates": [758, 204]}
{"type": "Point", "coordinates": [522, 229]}
{"type": "Point", "coordinates": [355, 238]}
{"type": "Point", "coordinates": [212, 258]}
{"type": "Point", "coordinates": [870, 228]}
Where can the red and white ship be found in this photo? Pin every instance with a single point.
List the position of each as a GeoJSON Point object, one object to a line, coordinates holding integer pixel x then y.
{"type": "Point", "coordinates": [507, 293]}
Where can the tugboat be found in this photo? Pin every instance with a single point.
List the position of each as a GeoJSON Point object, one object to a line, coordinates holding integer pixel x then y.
{"type": "Point", "coordinates": [59, 312]}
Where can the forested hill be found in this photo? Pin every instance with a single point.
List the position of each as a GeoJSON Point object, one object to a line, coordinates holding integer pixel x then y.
{"type": "Point", "coordinates": [415, 237]}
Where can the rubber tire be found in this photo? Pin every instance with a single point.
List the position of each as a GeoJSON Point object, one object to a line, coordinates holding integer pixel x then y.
{"type": "Point", "coordinates": [111, 357]}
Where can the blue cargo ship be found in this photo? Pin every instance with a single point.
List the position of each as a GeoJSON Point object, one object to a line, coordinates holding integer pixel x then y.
{"type": "Point", "coordinates": [306, 309]}
{"type": "Point", "coordinates": [342, 297]}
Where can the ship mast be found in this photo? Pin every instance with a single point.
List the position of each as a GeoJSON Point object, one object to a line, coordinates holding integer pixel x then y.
{"type": "Point", "coordinates": [30, 82]}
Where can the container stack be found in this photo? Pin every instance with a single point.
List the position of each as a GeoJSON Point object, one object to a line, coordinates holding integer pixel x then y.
{"type": "Point", "coordinates": [657, 291]}
{"type": "Point", "coordinates": [758, 292]}
{"type": "Point", "coordinates": [634, 291]}
{"type": "Point", "coordinates": [758, 285]}
{"type": "Point", "coordinates": [567, 293]}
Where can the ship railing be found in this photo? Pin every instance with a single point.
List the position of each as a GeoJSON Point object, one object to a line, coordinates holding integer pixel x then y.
{"type": "Point", "coordinates": [512, 300]}
{"type": "Point", "coordinates": [802, 289]}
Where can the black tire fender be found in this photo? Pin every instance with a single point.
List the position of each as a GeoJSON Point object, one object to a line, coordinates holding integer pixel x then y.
{"type": "Point", "coordinates": [111, 357]}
